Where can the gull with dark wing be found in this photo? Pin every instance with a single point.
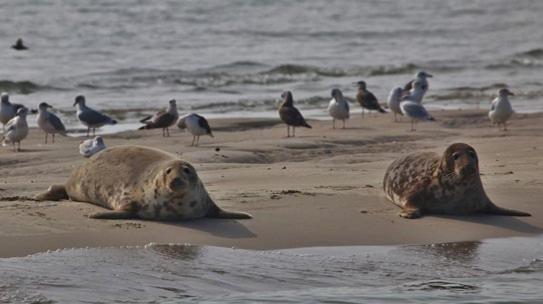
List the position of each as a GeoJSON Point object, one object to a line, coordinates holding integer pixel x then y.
{"type": "Point", "coordinates": [49, 122]}
{"type": "Point", "coordinates": [197, 126]}
{"type": "Point", "coordinates": [91, 118]}
{"type": "Point", "coordinates": [366, 99]}
{"type": "Point", "coordinates": [162, 119]}
{"type": "Point", "coordinates": [290, 115]}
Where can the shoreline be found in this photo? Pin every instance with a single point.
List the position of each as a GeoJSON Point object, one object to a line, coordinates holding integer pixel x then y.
{"type": "Point", "coordinates": [322, 188]}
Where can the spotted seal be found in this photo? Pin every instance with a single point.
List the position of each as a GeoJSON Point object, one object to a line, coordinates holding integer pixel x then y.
{"type": "Point", "coordinates": [140, 182]}
{"type": "Point", "coordinates": [423, 183]}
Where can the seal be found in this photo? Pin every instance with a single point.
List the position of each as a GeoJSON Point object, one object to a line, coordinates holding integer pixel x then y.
{"type": "Point", "coordinates": [139, 182]}
{"type": "Point", "coordinates": [424, 183]}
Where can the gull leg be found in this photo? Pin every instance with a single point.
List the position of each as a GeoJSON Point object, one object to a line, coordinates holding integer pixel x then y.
{"type": "Point", "coordinates": [168, 131]}
{"type": "Point", "coordinates": [53, 137]}
{"type": "Point", "coordinates": [46, 138]}
{"type": "Point", "coordinates": [412, 125]}
{"type": "Point", "coordinates": [505, 126]}
{"type": "Point", "coordinates": [343, 124]}
{"type": "Point", "coordinates": [88, 131]}
{"type": "Point", "coordinates": [293, 132]}
{"type": "Point", "coordinates": [193, 140]}
{"type": "Point", "coordinates": [198, 140]}
{"type": "Point", "coordinates": [333, 123]}
{"type": "Point", "coordinates": [288, 131]}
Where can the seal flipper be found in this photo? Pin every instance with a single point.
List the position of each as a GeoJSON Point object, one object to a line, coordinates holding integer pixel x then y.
{"type": "Point", "coordinates": [493, 209]}
{"type": "Point", "coordinates": [410, 213]}
{"type": "Point", "coordinates": [114, 215]}
{"type": "Point", "coordinates": [54, 193]}
{"type": "Point", "coordinates": [217, 212]}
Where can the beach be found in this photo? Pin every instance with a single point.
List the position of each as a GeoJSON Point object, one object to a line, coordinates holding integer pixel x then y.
{"type": "Point", "coordinates": [321, 188]}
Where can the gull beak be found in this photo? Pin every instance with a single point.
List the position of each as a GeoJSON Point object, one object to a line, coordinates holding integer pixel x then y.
{"type": "Point", "coordinates": [510, 93]}
{"type": "Point", "coordinates": [429, 75]}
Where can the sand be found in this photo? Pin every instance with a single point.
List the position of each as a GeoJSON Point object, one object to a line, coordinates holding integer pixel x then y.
{"type": "Point", "coordinates": [322, 188]}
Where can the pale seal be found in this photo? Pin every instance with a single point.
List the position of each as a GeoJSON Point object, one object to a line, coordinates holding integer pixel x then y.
{"type": "Point", "coordinates": [139, 182]}
{"type": "Point", "coordinates": [426, 182]}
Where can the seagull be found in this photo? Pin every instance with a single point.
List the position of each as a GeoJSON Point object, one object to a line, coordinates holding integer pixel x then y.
{"type": "Point", "coordinates": [16, 129]}
{"type": "Point", "coordinates": [338, 107]}
{"type": "Point", "coordinates": [89, 117]}
{"type": "Point", "coordinates": [162, 119]}
{"type": "Point", "coordinates": [394, 98]}
{"type": "Point", "coordinates": [290, 115]}
{"type": "Point", "coordinates": [500, 109]}
{"type": "Point", "coordinates": [7, 109]}
{"type": "Point", "coordinates": [91, 146]}
{"type": "Point", "coordinates": [416, 94]}
{"type": "Point", "coordinates": [366, 99]}
{"type": "Point", "coordinates": [415, 111]}
{"type": "Point", "coordinates": [19, 45]}
{"type": "Point", "coordinates": [197, 126]}
{"type": "Point", "coordinates": [49, 122]}
{"type": "Point", "coordinates": [422, 77]}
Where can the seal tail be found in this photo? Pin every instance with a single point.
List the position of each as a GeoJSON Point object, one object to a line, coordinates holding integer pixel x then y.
{"type": "Point", "coordinates": [493, 209]}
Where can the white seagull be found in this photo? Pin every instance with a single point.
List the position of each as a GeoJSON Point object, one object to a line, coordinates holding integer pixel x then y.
{"type": "Point", "coordinates": [501, 109]}
{"type": "Point", "coordinates": [393, 100]}
{"type": "Point", "coordinates": [91, 146]}
{"type": "Point", "coordinates": [49, 122]}
{"type": "Point", "coordinates": [8, 110]}
{"type": "Point", "coordinates": [422, 77]}
{"type": "Point", "coordinates": [415, 111]}
{"type": "Point", "coordinates": [338, 107]}
{"type": "Point", "coordinates": [197, 126]}
{"type": "Point", "coordinates": [16, 129]}
{"type": "Point", "coordinates": [92, 119]}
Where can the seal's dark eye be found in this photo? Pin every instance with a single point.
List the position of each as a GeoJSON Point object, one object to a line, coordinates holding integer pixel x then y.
{"type": "Point", "coordinates": [168, 170]}
{"type": "Point", "coordinates": [456, 156]}
{"type": "Point", "coordinates": [472, 154]}
{"type": "Point", "coordinates": [187, 171]}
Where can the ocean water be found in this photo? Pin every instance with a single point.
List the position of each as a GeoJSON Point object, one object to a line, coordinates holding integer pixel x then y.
{"type": "Point", "coordinates": [234, 58]}
{"type": "Point", "coordinates": [491, 271]}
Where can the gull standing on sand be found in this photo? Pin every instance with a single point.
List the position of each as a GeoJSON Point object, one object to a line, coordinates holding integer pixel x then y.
{"type": "Point", "coordinates": [197, 126]}
{"type": "Point", "coordinates": [162, 119]}
{"type": "Point", "coordinates": [92, 119]}
{"type": "Point", "coordinates": [91, 146]}
{"type": "Point", "coordinates": [366, 99]}
{"type": "Point", "coordinates": [415, 111]}
{"type": "Point", "coordinates": [393, 100]}
{"type": "Point", "coordinates": [338, 107]}
{"type": "Point", "coordinates": [16, 129]}
{"type": "Point", "coordinates": [501, 109]}
{"type": "Point", "coordinates": [49, 122]}
{"type": "Point", "coordinates": [290, 115]}
{"type": "Point", "coordinates": [422, 77]}
{"type": "Point", "coordinates": [8, 110]}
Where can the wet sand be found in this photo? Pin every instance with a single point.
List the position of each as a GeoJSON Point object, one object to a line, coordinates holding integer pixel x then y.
{"type": "Point", "coordinates": [322, 188]}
